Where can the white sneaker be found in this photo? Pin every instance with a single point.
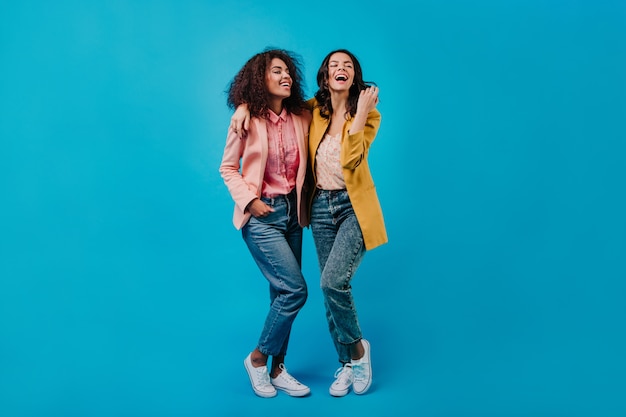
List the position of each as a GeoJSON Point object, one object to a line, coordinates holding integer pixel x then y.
{"type": "Point", "coordinates": [343, 381]}
{"type": "Point", "coordinates": [289, 384]}
{"type": "Point", "coordinates": [362, 369]}
{"type": "Point", "coordinates": [260, 379]}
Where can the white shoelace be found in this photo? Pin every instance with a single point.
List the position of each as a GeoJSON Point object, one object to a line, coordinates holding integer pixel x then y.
{"type": "Point", "coordinates": [286, 375]}
{"type": "Point", "coordinates": [262, 376]}
{"type": "Point", "coordinates": [344, 375]}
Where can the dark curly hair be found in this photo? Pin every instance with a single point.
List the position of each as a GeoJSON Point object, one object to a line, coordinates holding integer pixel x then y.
{"type": "Point", "coordinates": [323, 94]}
{"type": "Point", "coordinates": [249, 87]}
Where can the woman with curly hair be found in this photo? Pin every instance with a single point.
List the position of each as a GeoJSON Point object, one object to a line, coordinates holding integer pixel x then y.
{"type": "Point", "coordinates": [265, 174]}
{"type": "Point", "coordinates": [346, 217]}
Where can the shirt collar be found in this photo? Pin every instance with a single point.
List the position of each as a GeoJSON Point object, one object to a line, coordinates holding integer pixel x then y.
{"type": "Point", "coordinates": [276, 118]}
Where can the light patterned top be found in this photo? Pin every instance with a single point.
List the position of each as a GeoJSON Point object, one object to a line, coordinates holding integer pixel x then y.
{"type": "Point", "coordinates": [328, 168]}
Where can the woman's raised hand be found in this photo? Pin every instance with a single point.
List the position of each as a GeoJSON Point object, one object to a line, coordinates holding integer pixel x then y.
{"type": "Point", "coordinates": [368, 99]}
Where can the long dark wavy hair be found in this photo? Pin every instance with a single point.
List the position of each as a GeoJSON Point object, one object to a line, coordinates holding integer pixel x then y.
{"type": "Point", "coordinates": [323, 93]}
{"type": "Point", "coordinates": [249, 87]}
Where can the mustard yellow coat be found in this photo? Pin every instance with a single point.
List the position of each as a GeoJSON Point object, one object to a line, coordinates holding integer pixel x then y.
{"type": "Point", "coordinates": [356, 172]}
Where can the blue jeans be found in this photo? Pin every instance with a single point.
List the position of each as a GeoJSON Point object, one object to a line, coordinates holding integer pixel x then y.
{"type": "Point", "coordinates": [340, 249]}
{"type": "Point", "coordinates": [275, 242]}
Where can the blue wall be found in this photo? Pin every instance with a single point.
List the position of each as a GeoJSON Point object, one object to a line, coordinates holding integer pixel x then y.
{"type": "Point", "coordinates": [500, 165]}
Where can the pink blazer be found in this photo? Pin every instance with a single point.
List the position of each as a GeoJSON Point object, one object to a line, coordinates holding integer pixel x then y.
{"type": "Point", "coordinates": [243, 166]}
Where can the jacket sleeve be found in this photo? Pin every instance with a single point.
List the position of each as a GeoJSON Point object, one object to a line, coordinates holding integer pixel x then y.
{"type": "Point", "coordinates": [241, 192]}
{"type": "Point", "coordinates": [356, 146]}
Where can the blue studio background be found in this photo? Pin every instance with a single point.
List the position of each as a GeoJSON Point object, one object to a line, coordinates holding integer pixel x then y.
{"type": "Point", "coordinates": [500, 165]}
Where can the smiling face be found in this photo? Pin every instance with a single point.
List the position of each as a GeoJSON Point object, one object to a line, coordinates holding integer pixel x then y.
{"type": "Point", "coordinates": [340, 72]}
{"type": "Point", "coordinates": [277, 79]}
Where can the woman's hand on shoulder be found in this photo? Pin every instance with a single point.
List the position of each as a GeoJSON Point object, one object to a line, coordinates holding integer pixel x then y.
{"type": "Point", "coordinates": [240, 120]}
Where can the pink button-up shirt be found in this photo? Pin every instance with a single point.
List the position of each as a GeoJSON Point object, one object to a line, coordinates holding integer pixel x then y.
{"type": "Point", "coordinates": [283, 157]}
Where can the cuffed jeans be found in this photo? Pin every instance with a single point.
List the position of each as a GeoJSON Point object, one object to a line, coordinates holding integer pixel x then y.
{"type": "Point", "coordinates": [340, 249]}
{"type": "Point", "coordinates": [275, 242]}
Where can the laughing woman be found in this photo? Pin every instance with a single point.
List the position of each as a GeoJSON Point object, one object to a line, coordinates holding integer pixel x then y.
{"type": "Point", "coordinates": [265, 173]}
{"type": "Point", "coordinates": [346, 217]}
